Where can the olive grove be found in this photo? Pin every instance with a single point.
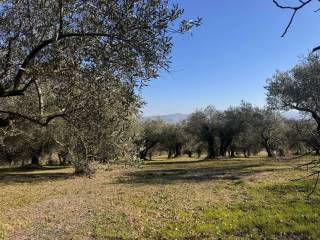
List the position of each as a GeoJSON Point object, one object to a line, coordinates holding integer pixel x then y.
{"type": "Point", "coordinates": [238, 131]}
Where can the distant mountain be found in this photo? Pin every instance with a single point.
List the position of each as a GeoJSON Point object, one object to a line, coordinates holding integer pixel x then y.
{"type": "Point", "coordinates": [170, 118]}
{"type": "Point", "coordinates": [179, 117]}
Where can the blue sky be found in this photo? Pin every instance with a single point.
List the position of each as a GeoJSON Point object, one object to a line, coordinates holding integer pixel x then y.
{"type": "Point", "coordinates": [229, 57]}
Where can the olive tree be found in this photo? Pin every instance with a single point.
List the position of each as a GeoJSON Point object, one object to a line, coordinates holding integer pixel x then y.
{"type": "Point", "coordinates": [295, 9]}
{"type": "Point", "coordinates": [173, 140]}
{"type": "Point", "coordinates": [231, 124]}
{"type": "Point", "coordinates": [247, 140]}
{"type": "Point", "coordinates": [272, 131]}
{"type": "Point", "coordinates": [204, 125]}
{"type": "Point", "coordinates": [297, 88]}
{"type": "Point", "coordinates": [300, 136]}
{"type": "Point", "coordinates": [152, 135]}
{"type": "Point", "coordinates": [82, 62]}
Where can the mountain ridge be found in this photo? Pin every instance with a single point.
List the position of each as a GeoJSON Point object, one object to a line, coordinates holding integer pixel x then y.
{"type": "Point", "coordinates": [168, 118]}
{"type": "Point", "coordinates": [179, 117]}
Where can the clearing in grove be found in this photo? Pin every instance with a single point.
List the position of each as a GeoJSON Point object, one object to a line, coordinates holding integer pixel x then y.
{"type": "Point", "coordinates": [254, 198]}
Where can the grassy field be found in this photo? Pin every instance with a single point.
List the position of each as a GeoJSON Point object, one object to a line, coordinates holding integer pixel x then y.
{"type": "Point", "coordinates": [164, 199]}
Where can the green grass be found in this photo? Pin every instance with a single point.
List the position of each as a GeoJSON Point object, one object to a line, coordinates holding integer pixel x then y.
{"type": "Point", "coordinates": [277, 212]}
{"type": "Point", "coordinates": [164, 199]}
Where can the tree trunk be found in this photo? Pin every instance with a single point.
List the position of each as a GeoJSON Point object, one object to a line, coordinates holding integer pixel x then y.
{"type": "Point", "coordinates": [317, 119]}
{"type": "Point", "coordinates": [224, 146]}
{"type": "Point", "coordinates": [169, 154]}
{"type": "Point", "coordinates": [50, 160]}
{"type": "Point", "coordinates": [199, 152]}
{"type": "Point", "coordinates": [269, 151]}
{"type": "Point", "coordinates": [35, 159]}
{"type": "Point", "coordinates": [232, 152]}
{"type": "Point", "coordinates": [223, 150]}
{"type": "Point", "coordinates": [9, 158]}
{"type": "Point", "coordinates": [61, 159]}
{"type": "Point", "coordinates": [177, 151]}
{"type": "Point", "coordinates": [190, 154]}
{"type": "Point", "coordinates": [245, 153]}
{"type": "Point", "coordinates": [211, 150]}
{"type": "Point", "coordinates": [144, 153]}
{"type": "Point", "coordinates": [281, 152]}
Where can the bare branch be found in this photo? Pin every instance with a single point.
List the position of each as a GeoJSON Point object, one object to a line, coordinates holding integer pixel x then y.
{"type": "Point", "coordinates": [305, 177]}
{"type": "Point", "coordinates": [316, 49]}
{"type": "Point", "coordinates": [294, 9]}
{"type": "Point", "coordinates": [315, 185]}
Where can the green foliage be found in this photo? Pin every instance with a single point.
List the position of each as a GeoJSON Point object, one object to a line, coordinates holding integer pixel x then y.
{"type": "Point", "coordinates": [204, 126]}
{"type": "Point", "coordinates": [297, 89]}
{"type": "Point", "coordinates": [152, 135]}
{"type": "Point", "coordinates": [61, 66]}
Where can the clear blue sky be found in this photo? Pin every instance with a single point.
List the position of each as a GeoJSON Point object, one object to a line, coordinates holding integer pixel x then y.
{"type": "Point", "coordinates": [231, 55]}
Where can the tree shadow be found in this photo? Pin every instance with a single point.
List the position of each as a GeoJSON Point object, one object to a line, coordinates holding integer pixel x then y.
{"type": "Point", "coordinates": [20, 175]}
{"type": "Point", "coordinates": [204, 160]}
{"type": "Point", "coordinates": [177, 162]}
{"type": "Point", "coordinates": [234, 172]}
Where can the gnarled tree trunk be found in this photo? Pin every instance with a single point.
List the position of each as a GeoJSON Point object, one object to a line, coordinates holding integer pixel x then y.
{"type": "Point", "coordinates": [269, 151]}
{"type": "Point", "coordinates": [232, 152]}
{"type": "Point", "coordinates": [178, 148]}
{"type": "Point", "coordinates": [211, 149]}
{"type": "Point", "coordinates": [35, 158]}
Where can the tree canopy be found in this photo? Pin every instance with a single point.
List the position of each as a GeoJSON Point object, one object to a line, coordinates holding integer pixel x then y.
{"type": "Point", "coordinates": [297, 88]}
{"type": "Point", "coordinates": [83, 62]}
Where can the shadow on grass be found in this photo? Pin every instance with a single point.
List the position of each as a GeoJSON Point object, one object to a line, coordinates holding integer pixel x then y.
{"type": "Point", "coordinates": [187, 173]}
{"type": "Point", "coordinates": [20, 175]}
{"type": "Point", "coordinates": [304, 186]}
{"type": "Point", "coordinates": [174, 161]}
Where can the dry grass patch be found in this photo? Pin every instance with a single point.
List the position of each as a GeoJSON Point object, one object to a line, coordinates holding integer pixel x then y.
{"type": "Point", "coordinates": [175, 199]}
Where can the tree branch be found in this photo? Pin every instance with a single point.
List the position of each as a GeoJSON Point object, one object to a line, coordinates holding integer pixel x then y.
{"type": "Point", "coordinates": [40, 122]}
{"type": "Point", "coordinates": [316, 49]}
{"type": "Point", "coordinates": [40, 98]}
{"type": "Point", "coordinates": [43, 45]}
{"type": "Point", "coordinates": [294, 9]}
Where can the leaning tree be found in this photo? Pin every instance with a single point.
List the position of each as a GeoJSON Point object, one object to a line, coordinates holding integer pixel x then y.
{"type": "Point", "coordinates": [301, 4]}
{"type": "Point", "coordinates": [82, 62]}
{"type": "Point", "coordinates": [297, 89]}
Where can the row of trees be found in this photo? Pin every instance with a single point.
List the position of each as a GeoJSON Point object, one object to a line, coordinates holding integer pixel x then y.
{"type": "Point", "coordinates": [249, 129]}
{"type": "Point", "coordinates": [244, 129]}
